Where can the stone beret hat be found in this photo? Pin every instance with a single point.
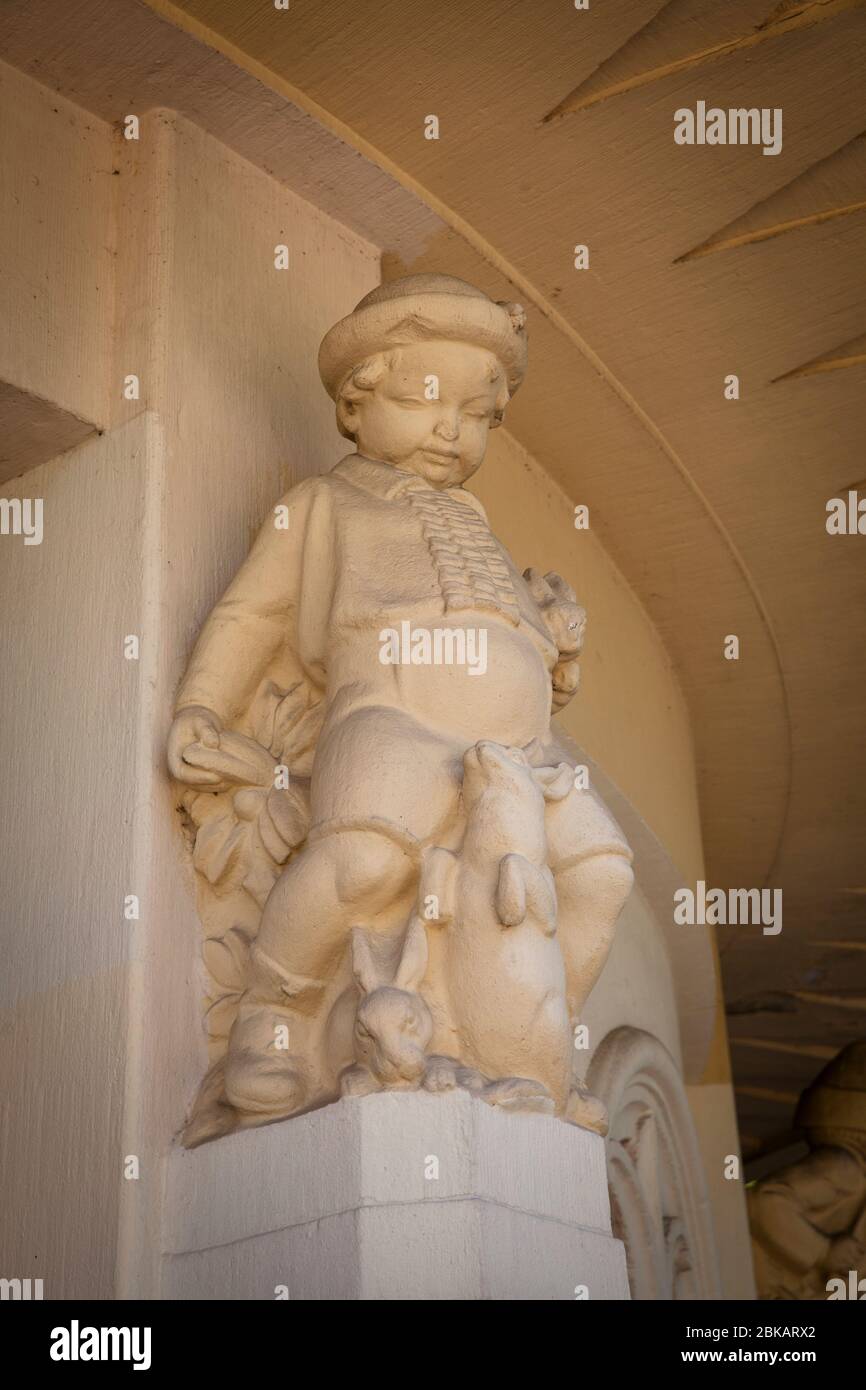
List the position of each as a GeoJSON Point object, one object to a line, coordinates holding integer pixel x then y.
{"type": "Point", "coordinates": [416, 308]}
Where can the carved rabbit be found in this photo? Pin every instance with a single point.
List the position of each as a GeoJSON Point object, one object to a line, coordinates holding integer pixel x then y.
{"type": "Point", "coordinates": [393, 1025]}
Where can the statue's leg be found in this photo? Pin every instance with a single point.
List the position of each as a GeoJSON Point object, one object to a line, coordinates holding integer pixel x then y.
{"type": "Point", "coordinates": [339, 879]}
{"type": "Point", "coordinates": [591, 865]}
{"type": "Point", "coordinates": [344, 876]}
{"type": "Point", "coordinates": [591, 893]}
{"type": "Point", "coordinates": [375, 777]}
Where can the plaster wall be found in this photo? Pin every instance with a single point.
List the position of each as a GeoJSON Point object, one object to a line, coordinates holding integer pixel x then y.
{"type": "Point", "coordinates": [712, 1107]}
{"type": "Point", "coordinates": [69, 817]}
{"type": "Point", "coordinates": [56, 290]}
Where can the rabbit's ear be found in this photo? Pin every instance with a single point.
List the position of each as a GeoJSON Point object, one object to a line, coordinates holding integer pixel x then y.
{"type": "Point", "coordinates": [363, 964]}
{"type": "Point", "coordinates": [555, 782]}
{"type": "Point", "coordinates": [413, 961]}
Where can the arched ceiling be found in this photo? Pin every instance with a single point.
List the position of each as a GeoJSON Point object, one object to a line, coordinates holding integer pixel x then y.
{"type": "Point", "coordinates": [556, 128]}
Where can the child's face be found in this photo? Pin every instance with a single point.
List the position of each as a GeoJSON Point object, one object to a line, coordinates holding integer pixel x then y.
{"type": "Point", "coordinates": [443, 439]}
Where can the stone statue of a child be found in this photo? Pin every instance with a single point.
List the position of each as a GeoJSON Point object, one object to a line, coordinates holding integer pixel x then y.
{"type": "Point", "coordinates": [420, 372]}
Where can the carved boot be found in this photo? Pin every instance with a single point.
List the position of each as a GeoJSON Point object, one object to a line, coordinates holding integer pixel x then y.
{"type": "Point", "coordinates": [586, 1110]}
{"type": "Point", "coordinates": [263, 1079]}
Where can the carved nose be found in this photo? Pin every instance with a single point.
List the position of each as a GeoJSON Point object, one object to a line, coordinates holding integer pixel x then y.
{"type": "Point", "coordinates": [445, 431]}
{"type": "Point", "coordinates": [404, 1062]}
{"type": "Point", "coordinates": [488, 754]}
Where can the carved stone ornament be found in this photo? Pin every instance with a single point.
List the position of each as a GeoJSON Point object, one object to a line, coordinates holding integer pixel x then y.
{"type": "Point", "coordinates": [658, 1201]}
{"type": "Point", "coordinates": [400, 883]}
{"type": "Point", "coordinates": [809, 1219]}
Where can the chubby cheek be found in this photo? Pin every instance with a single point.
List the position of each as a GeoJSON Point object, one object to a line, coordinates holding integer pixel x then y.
{"type": "Point", "coordinates": [473, 441]}
{"type": "Point", "coordinates": [472, 452]}
{"type": "Point", "coordinates": [412, 431]}
{"type": "Point", "coordinates": [398, 432]}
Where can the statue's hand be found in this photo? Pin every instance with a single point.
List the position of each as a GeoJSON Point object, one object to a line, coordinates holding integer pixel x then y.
{"type": "Point", "coordinates": [191, 726]}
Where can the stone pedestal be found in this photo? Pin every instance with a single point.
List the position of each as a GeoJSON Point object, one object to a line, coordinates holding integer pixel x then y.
{"type": "Point", "coordinates": [394, 1196]}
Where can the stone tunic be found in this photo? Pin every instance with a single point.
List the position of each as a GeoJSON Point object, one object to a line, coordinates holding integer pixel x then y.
{"type": "Point", "coordinates": [369, 546]}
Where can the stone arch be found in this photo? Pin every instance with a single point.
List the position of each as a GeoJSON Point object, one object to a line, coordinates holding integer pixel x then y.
{"type": "Point", "coordinates": [659, 1204]}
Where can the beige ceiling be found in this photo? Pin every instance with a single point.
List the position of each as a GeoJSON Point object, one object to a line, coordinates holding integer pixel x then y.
{"type": "Point", "coordinates": [556, 128]}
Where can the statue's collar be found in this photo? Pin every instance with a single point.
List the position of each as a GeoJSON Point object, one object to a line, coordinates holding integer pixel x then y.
{"type": "Point", "coordinates": [382, 479]}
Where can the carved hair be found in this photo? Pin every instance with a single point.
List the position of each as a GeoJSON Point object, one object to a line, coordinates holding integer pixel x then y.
{"type": "Point", "coordinates": [367, 375]}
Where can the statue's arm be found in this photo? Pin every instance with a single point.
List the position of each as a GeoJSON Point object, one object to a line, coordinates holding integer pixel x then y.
{"type": "Point", "coordinates": [788, 1212]}
{"type": "Point", "coordinates": [780, 1225]}
{"type": "Point", "coordinates": [255, 616]}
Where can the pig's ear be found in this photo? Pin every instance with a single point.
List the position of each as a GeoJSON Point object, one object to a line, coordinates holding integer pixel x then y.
{"type": "Point", "coordinates": [555, 782]}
